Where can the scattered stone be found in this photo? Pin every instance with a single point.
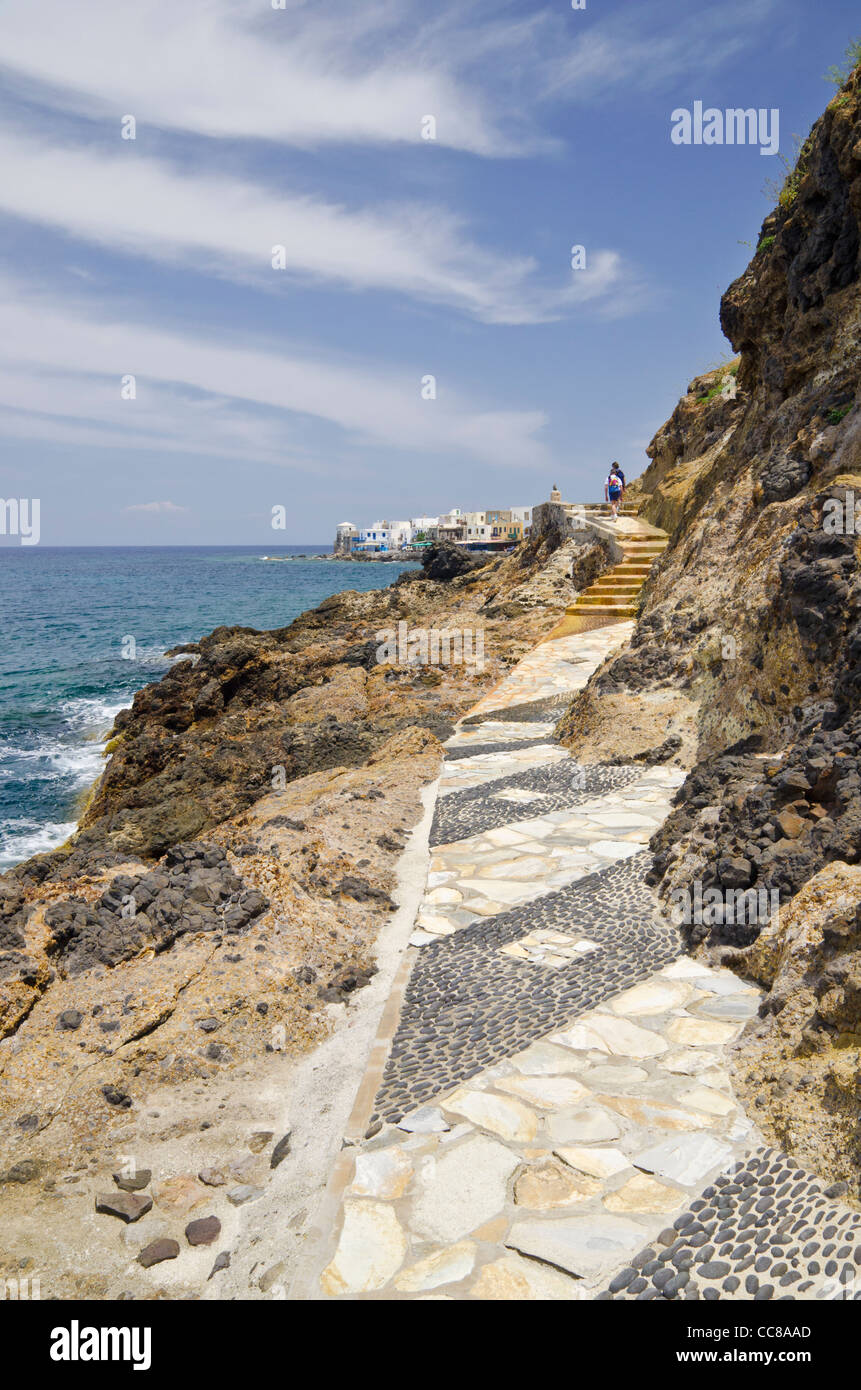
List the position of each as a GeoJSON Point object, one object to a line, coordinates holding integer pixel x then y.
{"type": "Point", "coordinates": [238, 1196]}
{"type": "Point", "coordinates": [157, 1251]}
{"type": "Point", "coordinates": [133, 1182]}
{"type": "Point", "coordinates": [128, 1206]}
{"type": "Point", "coordinates": [222, 1261]}
{"type": "Point", "coordinates": [203, 1231]}
{"type": "Point", "coordinates": [213, 1177]}
{"type": "Point", "coordinates": [281, 1150]}
{"type": "Point", "coordinates": [259, 1140]}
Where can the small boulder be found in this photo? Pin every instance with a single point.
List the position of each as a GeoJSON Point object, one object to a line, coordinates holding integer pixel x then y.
{"type": "Point", "coordinates": [128, 1206]}
{"type": "Point", "coordinates": [158, 1250]}
{"type": "Point", "coordinates": [791, 824]}
{"type": "Point", "coordinates": [734, 873]}
{"type": "Point", "coordinates": [134, 1183]}
{"type": "Point", "coordinates": [203, 1231]}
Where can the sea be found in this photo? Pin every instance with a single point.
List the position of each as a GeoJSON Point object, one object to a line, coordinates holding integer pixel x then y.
{"type": "Point", "coordinates": [85, 627]}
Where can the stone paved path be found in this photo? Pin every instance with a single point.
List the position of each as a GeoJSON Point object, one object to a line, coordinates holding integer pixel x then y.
{"type": "Point", "coordinates": [554, 1118]}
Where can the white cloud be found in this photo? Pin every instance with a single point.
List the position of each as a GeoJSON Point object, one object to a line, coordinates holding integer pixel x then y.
{"type": "Point", "coordinates": [648, 46]}
{"type": "Point", "coordinates": [194, 377]}
{"type": "Point", "coordinates": [222, 225]}
{"type": "Point", "coordinates": [303, 75]}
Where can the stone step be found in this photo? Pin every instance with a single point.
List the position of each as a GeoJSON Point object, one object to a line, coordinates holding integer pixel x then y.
{"type": "Point", "coordinates": [618, 581]}
{"type": "Point", "coordinates": [600, 600]}
{"type": "Point", "coordinates": [609, 595]}
{"type": "Point", "coordinates": [597, 610]}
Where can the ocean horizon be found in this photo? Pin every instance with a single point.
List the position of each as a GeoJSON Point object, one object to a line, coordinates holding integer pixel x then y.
{"type": "Point", "coordinates": [88, 626]}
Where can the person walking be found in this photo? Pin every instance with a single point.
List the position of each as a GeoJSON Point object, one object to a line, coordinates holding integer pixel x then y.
{"type": "Point", "coordinates": [614, 489]}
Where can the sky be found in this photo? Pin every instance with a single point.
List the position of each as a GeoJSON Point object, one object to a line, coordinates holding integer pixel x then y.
{"type": "Point", "coordinates": [332, 271]}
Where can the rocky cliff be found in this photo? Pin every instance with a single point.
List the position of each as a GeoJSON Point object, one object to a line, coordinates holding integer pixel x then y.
{"type": "Point", "coordinates": [748, 646]}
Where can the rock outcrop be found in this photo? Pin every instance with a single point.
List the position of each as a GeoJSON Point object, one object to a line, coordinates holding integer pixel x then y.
{"type": "Point", "coordinates": [746, 659]}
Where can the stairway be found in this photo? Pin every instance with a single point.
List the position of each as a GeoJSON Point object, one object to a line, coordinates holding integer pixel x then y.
{"type": "Point", "coordinates": [613, 595]}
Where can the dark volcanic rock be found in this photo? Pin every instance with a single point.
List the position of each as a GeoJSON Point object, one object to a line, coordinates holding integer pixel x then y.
{"type": "Point", "coordinates": [195, 890]}
{"type": "Point", "coordinates": [135, 1181]}
{"type": "Point", "coordinates": [26, 1170]}
{"type": "Point", "coordinates": [114, 1096]}
{"type": "Point", "coordinates": [203, 1231]}
{"type": "Point", "coordinates": [445, 562]}
{"type": "Point", "coordinates": [128, 1206]}
{"type": "Point", "coordinates": [281, 1150]}
{"type": "Point", "coordinates": [158, 1250]}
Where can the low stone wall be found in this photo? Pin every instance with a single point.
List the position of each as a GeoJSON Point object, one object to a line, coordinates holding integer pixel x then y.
{"type": "Point", "coordinates": [555, 516]}
{"type": "Point", "coordinates": [573, 523]}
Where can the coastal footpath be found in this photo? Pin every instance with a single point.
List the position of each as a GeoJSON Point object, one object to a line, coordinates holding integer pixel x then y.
{"type": "Point", "coordinates": [549, 1110]}
{"type": "Point", "coordinates": [373, 975]}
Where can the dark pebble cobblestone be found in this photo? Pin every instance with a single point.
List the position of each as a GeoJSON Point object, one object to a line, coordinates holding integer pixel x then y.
{"type": "Point", "coordinates": [780, 1243]}
{"type": "Point", "coordinates": [467, 1006]}
{"type": "Point", "coordinates": [476, 750]}
{"type": "Point", "coordinates": [552, 707]}
{"type": "Point", "coordinates": [563, 784]}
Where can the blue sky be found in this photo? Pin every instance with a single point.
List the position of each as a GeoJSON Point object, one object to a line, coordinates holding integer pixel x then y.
{"type": "Point", "coordinates": [301, 127]}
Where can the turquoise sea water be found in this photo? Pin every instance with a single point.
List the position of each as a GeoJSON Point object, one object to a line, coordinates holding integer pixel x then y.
{"type": "Point", "coordinates": [66, 616]}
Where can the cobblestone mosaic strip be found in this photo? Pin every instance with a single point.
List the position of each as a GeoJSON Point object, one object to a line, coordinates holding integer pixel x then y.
{"type": "Point", "coordinates": [765, 1229]}
{"type": "Point", "coordinates": [530, 712]}
{"type": "Point", "coordinates": [475, 750]}
{"type": "Point", "coordinates": [468, 1005]}
{"type": "Point", "coordinates": [523, 796]}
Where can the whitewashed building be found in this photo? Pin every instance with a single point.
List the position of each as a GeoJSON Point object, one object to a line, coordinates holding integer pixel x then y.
{"type": "Point", "coordinates": [423, 526]}
{"type": "Point", "coordinates": [384, 535]}
{"type": "Point", "coordinates": [345, 537]}
{"type": "Point", "coordinates": [478, 529]}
